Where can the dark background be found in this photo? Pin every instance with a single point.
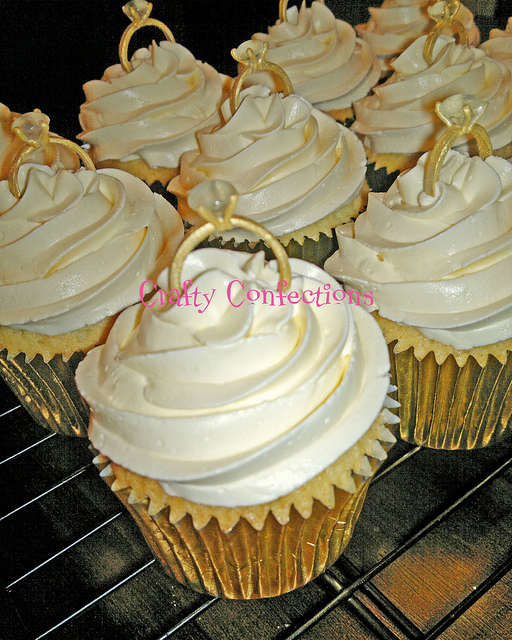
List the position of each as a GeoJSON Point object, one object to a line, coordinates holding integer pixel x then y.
{"type": "Point", "coordinates": [431, 553]}
{"type": "Point", "coordinates": [50, 48]}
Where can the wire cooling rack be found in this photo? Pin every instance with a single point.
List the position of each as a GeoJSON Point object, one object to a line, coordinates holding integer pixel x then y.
{"type": "Point", "coordinates": [431, 556]}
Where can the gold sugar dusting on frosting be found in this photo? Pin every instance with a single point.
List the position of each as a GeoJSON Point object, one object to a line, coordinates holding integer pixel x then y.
{"type": "Point", "coordinates": [407, 336]}
{"type": "Point", "coordinates": [357, 460]}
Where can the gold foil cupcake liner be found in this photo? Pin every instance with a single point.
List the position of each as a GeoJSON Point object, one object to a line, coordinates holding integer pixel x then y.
{"type": "Point", "coordinates": [48, 390]}
{"type": "Point", "coordinates": [315, 251]}
{"type": "Point", "coordinates": [244, 562]}
{"type": "Point", "coordinates": [378, 178]}
{"type": "Point", "coordinates": [451, 406]}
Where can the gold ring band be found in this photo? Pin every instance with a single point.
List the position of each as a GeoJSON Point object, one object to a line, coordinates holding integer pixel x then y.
{"type": "Point", "coordinates": [25, 151]}
{"type": "Point", "coordinates": [467, 117]}
{"type": "Point", "coordinates": [128, 33]}
{"type": "Point", "coordinates": [445, 21]}
{"type": "Point", "coordinates": [138, 11]}
{"type": "Point", "coordinates": [228, 221]}
{"type": "Point", "coordinates": [33, 129]}
{"type": "Point", "coordinates": [254, 61]}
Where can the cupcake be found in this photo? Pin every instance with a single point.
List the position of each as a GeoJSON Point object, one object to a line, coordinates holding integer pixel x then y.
{"type": "Point", "coordinates": [145, 113]}
{"type": "Point", "coordinates": [499, 45]}
{"type": "Point", "coordinates": [297, 172]}
{"type": "Point", "coordinates": [327, 64]}
{"type": "Point", "coordinates": [437, 257]}
{"type": "Point", "coordinates": [241, 425]}
{"type": "Point", "coordinates": [10, 145]}
{"type": "Point", "coordinates": [395, 25]}
{"type": "Point", "coordinates": [74, 250]}
{"type": "Point", "coordinates": [397, 122]}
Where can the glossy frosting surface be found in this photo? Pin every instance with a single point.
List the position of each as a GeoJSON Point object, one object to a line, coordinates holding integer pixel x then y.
{"type": "Point", "coordinates": [322, 56]}
{"type": "Point", "coordinates": [154, 111]}
{"type": "Point", "coordinates": [291, 164]}
{"type": "Point", "coordinates": [399, 116]}
{"type": "Point", "coordinates": [499, 45]}
{"type": "Point", "coordinates": [440, 263]}
{"type": "Point", "coordinates": [243, 402]}
{"type": "Point", "coordinates": [10, 145]}
{"type": "Point", "coordinates": [394, 25]}
{"type": "Point", "coordinates": [75, 246]}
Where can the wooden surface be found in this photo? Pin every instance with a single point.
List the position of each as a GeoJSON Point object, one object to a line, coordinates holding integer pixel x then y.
{"type": "Point", "coordinates": [431, 555]}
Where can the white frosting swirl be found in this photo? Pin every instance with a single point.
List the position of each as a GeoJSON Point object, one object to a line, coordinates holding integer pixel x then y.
{"type": "Point", "coordinates": [291, 164]}
{"type": "Point", "coordinates": [399, 116]}
{"type": "Point", "coordinates": [10, 144]}
{"type": "Point", "coordinates": [394, 26]}
{"type": "Point", "coordinates": [153, 112]}
{"type": "Point", "coordinates": [75, 247]}
{"type": "Point", "coordinates": [499, 45]}
{"type": "Point", "coordinates": [242, 404]}
{"type": "Point", "coordinates": [325, 61]}
{"type": "Point", "coordinates": [440, 263]}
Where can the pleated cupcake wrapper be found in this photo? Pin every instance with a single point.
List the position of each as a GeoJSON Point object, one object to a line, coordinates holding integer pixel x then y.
{"type": "Point", "coordinates": [447, 406]}
{"type": "Point", "coordinates": [246, 563]}
{"type": "Point", "coordinates": [48, 391]}
{"type": "Point", "coordinates": [315, 251]}
{"type": "Point", "coordinates": [379, 180]}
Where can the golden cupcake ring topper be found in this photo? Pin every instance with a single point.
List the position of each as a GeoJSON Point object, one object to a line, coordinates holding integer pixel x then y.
{"type": "Point", "coordinates": [220, 197]}
{"type": "Point", "coordinates": [283, 8]}
{"type": "Point", "coordinates": [33, 129]}
{"type": "Point", "coordinates": [444, 14]}
{"type": "Point", "coordinates": [460, 113]}
{"type": "Point", "coordinates": [139, 11]}
{"type": "Point", "coordinates": [251, 55]}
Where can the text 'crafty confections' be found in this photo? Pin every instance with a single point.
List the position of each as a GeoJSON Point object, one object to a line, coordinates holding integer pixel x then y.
{"type": "Point", "coordinates": [201, 299]}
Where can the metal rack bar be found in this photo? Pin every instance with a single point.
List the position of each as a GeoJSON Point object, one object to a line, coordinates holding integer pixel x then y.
{"type": "Point", "coordinates": [363, 613]}
{"type": "Point", "coordinates": [371, 607]}
{"type": "Point", "coordinates": [62, 551]}
{"type": "Point", "coordinates": [392, 612]}
{"type": "Point", "coordinates": [469, 601]}
{"type": "Point", "coordinates": [29, 448]}
{"type": "Point", "coordinates": [95, 600]}
{"type": "Point", "coordinates": [381, 473]}
{"type": "Point", "coordinates": [362, 580]}
{"type": "Point", "coordinates": [189, 618]}
{"type": "Point", "coordinates": [8, 411]}
{"type": "Point", "coordinates": [63, 482]}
